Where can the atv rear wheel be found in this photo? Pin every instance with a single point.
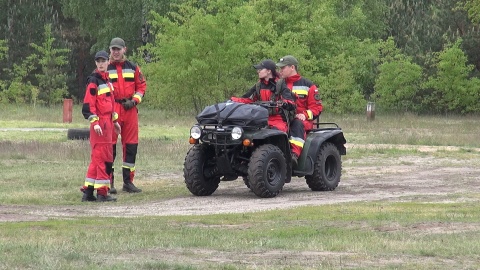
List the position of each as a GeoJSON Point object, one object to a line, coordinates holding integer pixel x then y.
{"type": "Point", "coordinates": [267, 171]}
{"type": "Point", "coordinates": [327, 169]}
{"type": "Point", "coordinates": [198, 171]}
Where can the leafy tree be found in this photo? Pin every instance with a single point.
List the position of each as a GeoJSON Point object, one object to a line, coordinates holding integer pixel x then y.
{"type": "Point", "coordinates": [451, 90]}
{"type": "Point", "coordinates": [339, 90]}
{"type": "Point", "coordinates": [473, 9]}
{"type": "Point", "coordinates": [18, 88]}
{"type": "Point", "coordinates": [22, 23]}
{"type": "Point", "coordinates": [52, 85]}
{"type": "Point", "coordinates": [209, 58]}
{"type": "Point", "coordinates": [125, 19]}
{"type": "Point", "coordinates": [399, 80]}
{"type": "Point", "coordinates": [325, 30]}
{"type": "Point", "coordinates": [92, 24]}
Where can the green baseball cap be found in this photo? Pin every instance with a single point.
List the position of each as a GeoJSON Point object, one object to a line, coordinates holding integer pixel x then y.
{"type": "Point", "coordinates": [288, 60]}
{"type": "Point", "coordinates": [117, 43]}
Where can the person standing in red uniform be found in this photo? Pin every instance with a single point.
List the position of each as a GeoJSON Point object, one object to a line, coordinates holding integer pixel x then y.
{"type": "Point", "coordinates": [308, 101]}
{"type": "Point", "coordinates": [268, 78]}
{"type": "Point", "coordinates": [98, 109]}
{"type": "Point", "coordinates": [130, 87]}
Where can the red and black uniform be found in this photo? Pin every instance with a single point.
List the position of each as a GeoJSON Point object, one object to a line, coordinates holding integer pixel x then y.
{"type": "Point", "coordinates": [129, 84]}
{"type": "Point", "coordinates": [267, 90]}
{"type": "Point", "coordinates": [98, 108]}
{"type": "Point", "coordinates": [309, 103]}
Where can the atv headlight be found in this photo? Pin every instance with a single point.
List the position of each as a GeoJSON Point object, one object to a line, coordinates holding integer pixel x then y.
{"type": "Point", "coordinates": [196, 132]}
{"type": "Point", "coordinates": [237, 133]}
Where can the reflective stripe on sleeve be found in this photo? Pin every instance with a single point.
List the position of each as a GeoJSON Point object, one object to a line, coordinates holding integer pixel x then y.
{"type": "Point", "coordinates": [92, 118]}
{"type": "Point", "coordinates": [103, 89]}
{"type": "Point", "coordinates": [300, 90]}
{"type": "Point", "coordinates": [138, 96]}
{"type": "Point", "coordinates": [310, 115]}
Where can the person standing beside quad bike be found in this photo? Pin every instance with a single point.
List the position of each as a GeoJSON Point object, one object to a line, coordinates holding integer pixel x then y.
{"type": "Point", "coordinates": [98, 108]}
{"type": "Point", "coordinates": [130, 87]}
{"type": "Point", "coordinates": [308, 102]}
{"type": "Point", "coordinates": [270, 89]}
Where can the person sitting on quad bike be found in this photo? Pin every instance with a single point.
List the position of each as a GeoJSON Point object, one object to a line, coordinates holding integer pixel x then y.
{"type": "Point", "coordinates": [266, 90]}
{"type": "Point", "coordinates": [308, 102]}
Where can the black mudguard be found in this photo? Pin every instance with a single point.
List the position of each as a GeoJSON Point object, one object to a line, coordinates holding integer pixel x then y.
{"type": "Point", "coordinates": [312, 145]}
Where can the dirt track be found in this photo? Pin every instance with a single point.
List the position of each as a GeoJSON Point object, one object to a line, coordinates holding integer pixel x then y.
{"type": "Point", "coordinates": [417, 177]}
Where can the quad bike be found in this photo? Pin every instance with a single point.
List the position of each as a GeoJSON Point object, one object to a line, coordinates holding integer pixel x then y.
{"type": "Point", "coordinates": [233, 140]}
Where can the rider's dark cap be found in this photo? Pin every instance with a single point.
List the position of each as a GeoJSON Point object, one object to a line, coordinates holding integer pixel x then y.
{"type": "Point", "coordinates": [101, 55]}
{"type": "Point", "coordinates": [268, 64]}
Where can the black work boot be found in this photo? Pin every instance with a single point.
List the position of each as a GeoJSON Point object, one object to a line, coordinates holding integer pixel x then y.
{"type": "Point", "coordinates": [130, 188]}
{"type": "Point", "coordinates": [106, 198]}
{"type": "Point", "coordinates": [88, 195]}
{"type": "Point", "coordinates": [294, 160]}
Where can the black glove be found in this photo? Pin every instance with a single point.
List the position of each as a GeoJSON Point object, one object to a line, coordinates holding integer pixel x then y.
{"type": "Point", "coordinates": [288, 106]}
{"type": "Point", "coordinates": [128, 104]}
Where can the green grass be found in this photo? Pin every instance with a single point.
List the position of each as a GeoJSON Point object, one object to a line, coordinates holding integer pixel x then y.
{"type": "Point", "coordinates": [44, 170]}
{"type": "Point", "coordinates": [389, 235]}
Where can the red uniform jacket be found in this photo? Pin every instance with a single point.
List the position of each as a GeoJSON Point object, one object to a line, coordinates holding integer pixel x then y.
{"type": "Point", "coordinates": [127, 80]}
{"type": "Point", "coordinates": [308, 98]}
{"type": "Point", "coordinates": [99, 98]}
{"type": "Point", "coordinates": [267, 89]}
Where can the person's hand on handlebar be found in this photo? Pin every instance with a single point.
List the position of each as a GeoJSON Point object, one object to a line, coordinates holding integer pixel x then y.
{"type": "Point", "coordinates": [300, 116]}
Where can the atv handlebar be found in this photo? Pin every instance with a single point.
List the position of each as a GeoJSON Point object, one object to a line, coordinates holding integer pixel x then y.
{"type": "Point", "coordinates": [269, 104]}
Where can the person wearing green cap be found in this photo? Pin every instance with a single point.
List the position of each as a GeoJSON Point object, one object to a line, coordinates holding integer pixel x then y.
{"type": "Point", "coordinates": [130, 87]}
{"type": "Point", "coordinates": [308, 101]}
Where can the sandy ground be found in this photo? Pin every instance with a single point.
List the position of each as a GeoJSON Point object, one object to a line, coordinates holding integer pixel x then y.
{"type": "Point", "coordinates": [432, 175]}
{"type": "Point", "coordinates": [400, 179]}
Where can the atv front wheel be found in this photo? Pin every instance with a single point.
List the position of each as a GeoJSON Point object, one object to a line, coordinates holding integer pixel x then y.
{"type": "Point", "coordinates": [327, 169]}
{"type": "Point", "coordinates": [267, 171]}
{"type": "Point", "coordinates": [199, 171]}
{"type": "Point", "coordinates": [247, 182]}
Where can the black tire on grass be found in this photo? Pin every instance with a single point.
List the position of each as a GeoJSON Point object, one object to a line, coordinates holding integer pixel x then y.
{"type": "Point", "coordinates": [78, 133]}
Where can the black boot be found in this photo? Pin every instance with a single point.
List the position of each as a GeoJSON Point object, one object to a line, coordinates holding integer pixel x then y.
{"type": "Point", "coordinates": [106, 198]}
{"type": "Point", "coordinates": [294, 161]}
{"type": "Point", "coordinates": [130, 188]}
{"type": "Point", "coordinates": [88, 195]}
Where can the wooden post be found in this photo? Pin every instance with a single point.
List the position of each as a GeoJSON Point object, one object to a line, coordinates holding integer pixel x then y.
{"type": "Point", "coordinates": [67, 110]}
{"type": "Point", "coordinates": [371, 111]}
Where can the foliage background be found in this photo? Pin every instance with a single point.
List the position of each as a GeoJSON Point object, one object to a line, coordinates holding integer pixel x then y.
{"type": "Point", "coordinates": [418, 56]}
